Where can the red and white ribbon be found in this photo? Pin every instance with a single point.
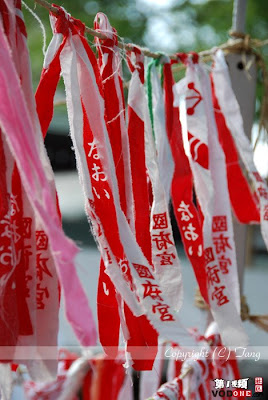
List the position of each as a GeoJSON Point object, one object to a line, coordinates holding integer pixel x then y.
{"type": "Point", "coordinates": [141, 332]}
{"type": "Point", "coordinates": [172, 390]}
{"type": "Point", "coordinates": [196, 382]}
{"type": "Point", "coordinates": [165, 258]}
{"type": "Point", "coordinates": [147, 296]}
{"type": "Point", "coordinates": [33, 275]}
{"type": "Point", "coordinates": [185, 211]}
{"type": "Point", "coordinates": [197, 119]}
{"type": "Point", "coordinates": [109, 380]}
{"type": "Point", "coordinates": [37, 178]}
{"type": "Point", "coordinates": [151, 380]}
{"type": "Point", "coordinates": [244, 203]}
{"type": "Point", "coordinates": [220, 368]}
{"type": "Point", "coordinates": [109, 62]}
{"type": "Point", "coordinates": [15, 317]}
{"type": "Point", "coordinates": [163, 151]}
{"type": "Point", "coordinates": [233, 118]}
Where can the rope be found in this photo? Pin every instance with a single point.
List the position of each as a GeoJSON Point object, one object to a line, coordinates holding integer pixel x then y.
{"type": "Point", "coordinates": [199, 301]}
{"type": "Point", "coordinates": [41, 26]}
{"type": "Point", "coordinates": [239, 43]}
{"type": "Point", "coordinates": [235, 44]}
{"type": "Point", "coordinates": [261, 321]}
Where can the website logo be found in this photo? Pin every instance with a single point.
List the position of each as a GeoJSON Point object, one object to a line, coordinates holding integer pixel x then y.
{"type": "Point", "coordinates": [233, 388]}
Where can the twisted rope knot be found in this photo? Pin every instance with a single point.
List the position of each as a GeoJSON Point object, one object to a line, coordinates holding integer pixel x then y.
{"type": "Point", "coordinates": [237, 35]}
{"type": "Point", "coordinates": [261, 321]}
{"type": "Point", "coordinates": [245, 314]}
{"type": "Point", "coordinates": [199, 301]}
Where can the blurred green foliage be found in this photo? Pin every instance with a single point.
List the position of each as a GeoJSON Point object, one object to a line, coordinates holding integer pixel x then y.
{"type": "Point", "coordinates": [123, 15]}
{"type": "Point", "coordinates": [164, 25]}
{"type": "Point", "coordinates": [179, 25]}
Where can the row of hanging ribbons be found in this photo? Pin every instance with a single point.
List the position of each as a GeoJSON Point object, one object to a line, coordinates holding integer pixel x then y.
{"type": "Point", "coordinates": [100, 378]}
{"type": "Point", "coordinates": [176, 139]}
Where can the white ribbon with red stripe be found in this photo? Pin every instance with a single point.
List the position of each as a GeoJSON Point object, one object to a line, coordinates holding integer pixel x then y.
{"type": "Point", "coordinates": [231, 110]}
{"type": "Point", "coordinates": [170, 391]}
{"type": "Point", "coordinates": [163, 151]}
{"type": "Point", "coordinates": [37, 287]}
{"type": "Point", "coordinates": [151, 298]}
{"type": "Point", "coordinates": [151, 380]}
{"type": "Point", "coordinates": [194, 383]}
{"type": "Point", "coordinates": [24, 136]}
{"type": "Point", "coordinates": [165, 258]}
{"type": "Point", "coordinates": [196, 113]}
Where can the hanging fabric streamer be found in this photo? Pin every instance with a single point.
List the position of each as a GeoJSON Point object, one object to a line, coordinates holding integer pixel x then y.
{"type": "Point", "coordinates": [110, 70]}
{"type": "Point", "coordinates": [109, 377]}
{"type": "Point", "coordinates": [158, 120]}
{"type": "Point", "coordinates": [94, 174]}
{"type": "Point", "coordinates": [172, 390]}
{"type": "Point", "coordinates": [172, 140]}
{"type": "Point", "coordinates": [244, 203]}
{"type": "Point", "coordinates": [221, 368]}
{"type": "Point", "coordinates": [97, 378]}
{"type": "Point", "coordinates": [185, 211]}
{"type": "Point", "coordinates": [15, 318]}
{"type": "Point", "coordinates": [44, 99]}
{"type": "Point", "coordinates": [197, 382]}
{"type": "Point", "coordinates": [143, 295]}
{"type": "Point", "coordinates": [23, 137]}
{"type": "Point", "coordinates": [151, 380]}
{"type": "Point", "coordinates": [41, 276]}
{"type": "Point", "coordinates": [34, 275]}
{"type": "Point", "coordinates": [197, 118]}
{"type": "Point", "coordinates": [233, 118]}
{"type": "Point", "coordinates": [198, 374]}
{"type": "Point", "coordinates": [141, 336]}
{"type": "Point", "coordinates": [144, 337]}
{"type": "Point", "coordinates": [174, 364]}
{"type": "Point", "coordinates": [165, 258]}
{"type": "Point", "coordinates": [73, 374]}
{"type": "Point", "coordinates": [11, 255]}
{"type": "Point", "coordinates": [150, 293]}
